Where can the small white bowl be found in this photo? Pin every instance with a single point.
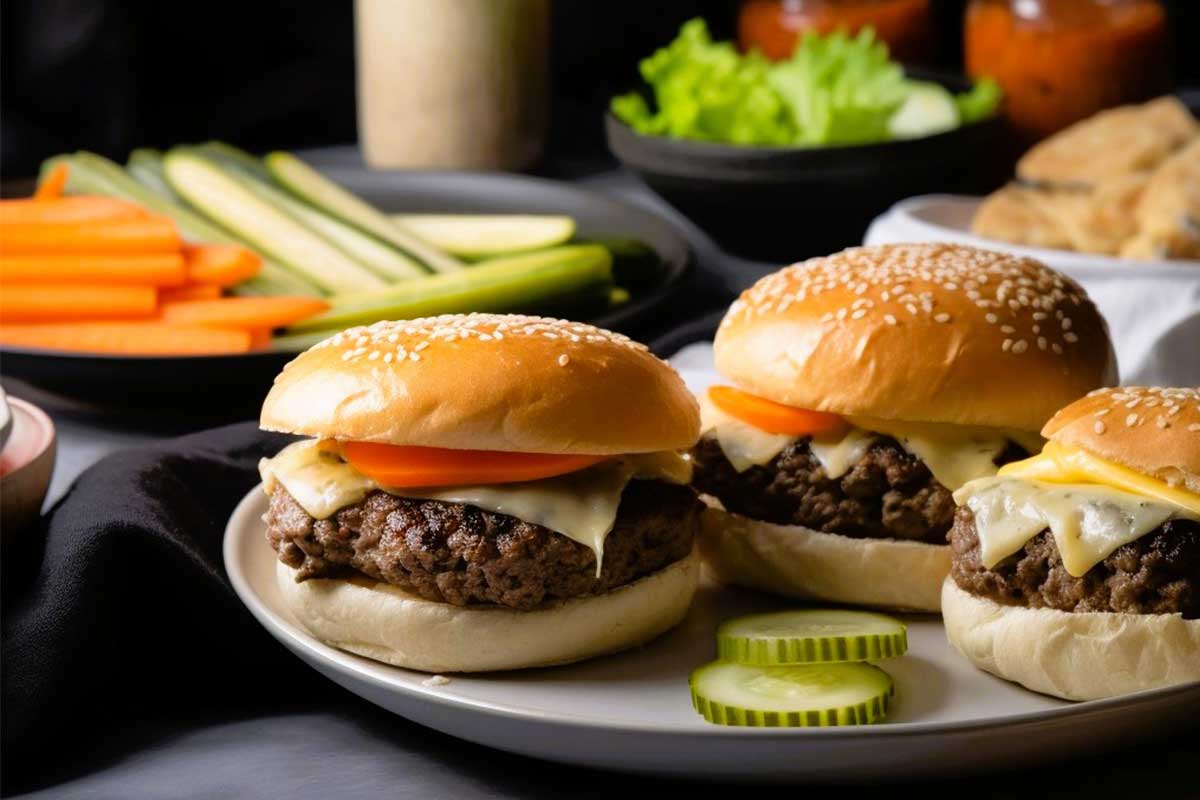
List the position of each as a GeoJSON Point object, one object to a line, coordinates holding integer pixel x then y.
{"type": "Point", "coordinates": [26, 464]}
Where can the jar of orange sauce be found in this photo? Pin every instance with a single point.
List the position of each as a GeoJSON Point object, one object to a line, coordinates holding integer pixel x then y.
{"type": "Point", "coordinates": [1060, 61]}
{"type": "Point", "coordinates": [774, 26]}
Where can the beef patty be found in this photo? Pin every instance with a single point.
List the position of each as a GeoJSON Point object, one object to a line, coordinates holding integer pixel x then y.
{"type": "Point", "coordinates": [888, 494]}
{"type": "Point", "coordinates": [460, 554]}
{"type": "Point", "coordinates": [1158, 573]}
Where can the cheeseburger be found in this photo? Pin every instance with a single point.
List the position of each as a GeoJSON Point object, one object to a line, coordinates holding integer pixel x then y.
{"type": "Point", "coordinates": [864, 388]}
{"type": "Point", "coordinates": [482, 492]}
{"type": "Point", "coordinates": [1077, 572]}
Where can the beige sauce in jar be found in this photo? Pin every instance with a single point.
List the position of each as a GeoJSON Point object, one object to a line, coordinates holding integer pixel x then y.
{"type": "Point", "coordinates": [452, 84]}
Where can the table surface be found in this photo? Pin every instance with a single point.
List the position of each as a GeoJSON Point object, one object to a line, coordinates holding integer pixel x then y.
{"type": "Point", "coordinates": [348, 748]}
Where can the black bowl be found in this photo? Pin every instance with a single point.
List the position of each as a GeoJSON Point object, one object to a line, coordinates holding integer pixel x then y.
{"type": "Point", "coordinates": [785, 203]}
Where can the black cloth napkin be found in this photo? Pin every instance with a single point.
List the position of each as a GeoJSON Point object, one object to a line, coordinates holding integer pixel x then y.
{"type": "Point", "coordinates": [124, 604]}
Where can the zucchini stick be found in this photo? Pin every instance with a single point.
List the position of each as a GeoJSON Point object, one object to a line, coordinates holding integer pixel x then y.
{"type": "Point", "coordinates": [525, 282]}
{"type": "Point", "coordinates": [207, 186]}
{"type": "Point", "coordinates": [326, 195]}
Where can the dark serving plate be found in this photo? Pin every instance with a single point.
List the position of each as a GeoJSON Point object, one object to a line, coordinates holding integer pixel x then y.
{"type": "Point", "coordinates": [238, 383]}
{"type": "Point", "coordinates": [786, 203]}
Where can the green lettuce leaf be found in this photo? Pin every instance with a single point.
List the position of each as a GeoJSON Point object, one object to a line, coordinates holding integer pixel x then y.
{"type": "Point", "coordinates": [834, 90]}
{"type": "Point", "coordinates": [706, 90]}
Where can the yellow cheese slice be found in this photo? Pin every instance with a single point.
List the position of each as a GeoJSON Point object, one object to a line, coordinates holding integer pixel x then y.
{"type": "Point", "coordinates": [1059, 463]}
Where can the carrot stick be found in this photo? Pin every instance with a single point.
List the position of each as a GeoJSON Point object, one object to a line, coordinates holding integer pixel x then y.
{"type": "Point", "coordinates": [75, 209]}
{"type": "Point", "coordinates": [221, 264]}
{"type": "Point", "coordinates": [260, 338]}
{"type": "Point", "coordinates": [153, 269]}
{"type": "Point", "coordinates": [178, 294]}
{"type": "Point", "coordinates": [148, 235]}
{"type": "Point", "coordinates": [53, 184]}
{"type": "Point", "coordinates": [47, 302]}
{"type": "Point", "coordinates": [246, 313]}
{"type": "Point", "coordinates": [126, 338]}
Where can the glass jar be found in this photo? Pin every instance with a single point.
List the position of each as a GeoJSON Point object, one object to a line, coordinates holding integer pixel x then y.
{"type": "Point", "coordinates": [1060, 61]}
{"type": "Point", "coordinates": [452, 84]}
{"type": "Point", "coordinates": [774, 26]}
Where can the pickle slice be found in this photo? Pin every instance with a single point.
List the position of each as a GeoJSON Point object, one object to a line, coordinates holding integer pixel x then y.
{"type": "Point", "coordinates": [794, 696]}
{"type": "Point", "coordinates": [811, 636]}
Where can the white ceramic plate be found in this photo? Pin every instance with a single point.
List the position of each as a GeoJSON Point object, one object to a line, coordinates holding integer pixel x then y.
{"type": "Point", "coordinates": [632, 712]}
{"type": "Point", "coordinates": [1152, 307]}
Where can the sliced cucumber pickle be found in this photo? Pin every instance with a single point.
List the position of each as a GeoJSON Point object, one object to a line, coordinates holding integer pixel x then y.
{"type": "Point", "coordinates": [811, 636]}
{"type": "Point", "coordinates": [794, 696]}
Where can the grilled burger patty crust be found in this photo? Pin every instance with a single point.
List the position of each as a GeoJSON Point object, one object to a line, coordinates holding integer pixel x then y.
{"type": "Point", "coordinates": [459, 554]}
{"type": "Point", "coordinates": [1159, 573]}
{"type": "Point", "coordinates": [888, 494]}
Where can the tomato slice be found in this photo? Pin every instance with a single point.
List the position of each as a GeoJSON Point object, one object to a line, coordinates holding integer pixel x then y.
{"type": "Point", "coordinates": [772, 417]}
{"type": "Point", "coordinates": [409, 466]}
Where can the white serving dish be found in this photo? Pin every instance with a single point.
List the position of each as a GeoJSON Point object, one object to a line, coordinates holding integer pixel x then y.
{"type": "Point", "coordinates": [632, 712]}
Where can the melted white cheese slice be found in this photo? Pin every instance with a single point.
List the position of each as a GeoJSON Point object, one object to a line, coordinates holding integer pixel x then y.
{"type": "Point", "coordinates": [580, 505]}
{"type": "Point", "coordinates": [744, 445]}
{"type": "Point", "coordinates": [837, 455]}
{"type": "Point", "coordinates": [954, 454]}
{"type": "Point", "coordinates": [1088, 521]}
{"type": "Point", "coordinates": [316, 476]}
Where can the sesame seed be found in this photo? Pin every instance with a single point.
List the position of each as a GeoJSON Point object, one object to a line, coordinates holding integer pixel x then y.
{"type": "Point", "coordinates": [1070, 337]}
{"type": "Point", "coordinates": [1102, 412]}
{"type": "Point", "coordinates": [889, 319]}
{"type": "Point", "coordinates": [1131, 420]}
{"type": "Point", "coordinates": [1020, 346]}
{"type": "Point", "coordinates": [563, 360]}
{"type": "Point", "coordinates": [1006, 345]}
{"type": "Point", "coordinates": [1099, 427]}
{"type": "Point", "coordinates": [1008, 329]}
{"type": "Point", "coordinates": [990, 317]}
{"type": "Point", "coordinates": [859, 314]}
{"type": "Point", "coordinates": [1041, 342]}
{"type": "Point", "coordinates": [1056, 347]}
{"type": "Point", "coordinates": [1194, 427]}
{"type": "Point", "coordinates": [942, 317]}
{"type": "Point", "coordinates": [1162, 422]}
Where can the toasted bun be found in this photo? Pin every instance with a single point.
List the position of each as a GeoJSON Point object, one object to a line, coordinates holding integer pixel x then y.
{"type": "Point", "coordinates": [799, 562]}
{"type": "Point", "coordinates": [918, 332]}
{"type": "Point", "coordinates": [486, 382]}
{"type": "Point", "coordinates": [383, 622]}
{"type": "Point", "coordinates": [1073, 655]}
{"type": "Point", "coordinates": [1152, 430]}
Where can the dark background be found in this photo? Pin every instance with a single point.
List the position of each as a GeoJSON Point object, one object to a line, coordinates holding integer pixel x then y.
{"type": "Point", "coordinates": [265, 74]}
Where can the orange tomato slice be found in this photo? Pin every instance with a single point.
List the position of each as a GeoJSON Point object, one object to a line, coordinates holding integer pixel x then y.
{"type": "Point", "coordinates": [410, 466]}
{"type": "Point", "coordinates": [772, 417]}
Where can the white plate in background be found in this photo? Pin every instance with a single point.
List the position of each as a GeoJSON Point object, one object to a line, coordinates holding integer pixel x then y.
{"type": "Point", "coordinates": [632, 711]}
{"type": "Point", "coordinates": [1152, 307]}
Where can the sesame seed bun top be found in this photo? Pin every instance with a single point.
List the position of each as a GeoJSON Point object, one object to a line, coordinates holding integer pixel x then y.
{"type": "Point", "coordinates": [918, 332]}
{"type": "Point", "coordinates": [485, 382]}
{"type": "Point", "coordinates": [1153, 430]}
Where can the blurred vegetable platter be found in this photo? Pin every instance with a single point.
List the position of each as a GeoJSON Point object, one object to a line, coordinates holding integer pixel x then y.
{"type": "Point", "coordinates": [241, 253]}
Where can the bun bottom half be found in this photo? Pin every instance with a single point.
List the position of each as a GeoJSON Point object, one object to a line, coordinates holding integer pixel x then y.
{"type": "Point", "coordinates": [385, 623]}
{"type": "Point", "coordinates": [795, 561]}
{"type": "Point", "coordinates": [1073, 655]}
